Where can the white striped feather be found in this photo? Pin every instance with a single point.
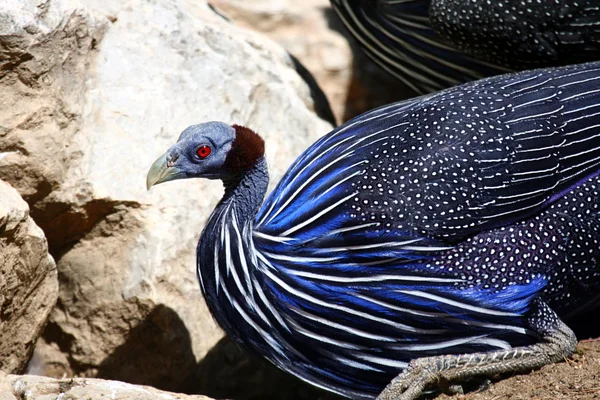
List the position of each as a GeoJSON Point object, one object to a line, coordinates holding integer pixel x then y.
{"type": "Point", "coordinates": [348, 329]}
{"type": "Point", "coordinates": [445, 316]}
{"type": "Point", "coordinates": [275, 345]}
{"type": "Point", "coordinates": [317, 215]}
{"type": "Point", "coordinates": [480, 339]}
{"type": "Point", "coordinates": [369, 278]}
{"type": "Point", "coordinates": [455, 303]}
{"type": "Point", "coordinates": [320, 338]}
{"type": "Point", "coordinates": [241, 248]}
{"type": "Point", "coordinates": [314, 300]}
{"type": "Point", "coordinates": [352, 363]}
{"type": "Point", "coordinates": [383, 361]}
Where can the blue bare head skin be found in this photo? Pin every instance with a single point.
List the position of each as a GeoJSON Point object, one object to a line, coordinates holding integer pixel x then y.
{"type": "Point", "coordinates": [200, 152]}
{"type": "Point", "coordinates": [211, 150]}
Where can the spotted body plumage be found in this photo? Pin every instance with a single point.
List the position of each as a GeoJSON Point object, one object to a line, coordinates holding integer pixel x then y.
{"type": "Point", "coordinates": [559, 245]}
{"type": "Point", "coordinates": [521, 34]}
{"type": "Point", "coordinates": [462, 222]}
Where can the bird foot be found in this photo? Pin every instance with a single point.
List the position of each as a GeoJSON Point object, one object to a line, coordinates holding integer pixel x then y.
{"type": "Point", "coordinates": [409, 385]}
{"type": "Point", "coordinates": [427, 372]}
{"type": "Point", "coordinates": [455, 389]}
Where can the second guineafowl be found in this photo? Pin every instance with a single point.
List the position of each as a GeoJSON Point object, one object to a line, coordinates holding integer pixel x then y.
{"type": "Point", "coordinates": [435, 44]}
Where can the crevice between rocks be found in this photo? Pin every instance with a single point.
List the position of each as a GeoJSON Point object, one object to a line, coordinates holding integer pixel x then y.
{"type": "Point", "coordinates": [65, 224]}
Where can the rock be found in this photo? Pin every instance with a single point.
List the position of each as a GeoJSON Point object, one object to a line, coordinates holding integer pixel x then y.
{"type": "Point", "coordinates": [6, 392]}
{"type": "Point", "coordinates": [112, 86]}
{"type": "Point", "coordinates": [45, 50]}
{"type": "Point", "coordinates": [311, 31]}
{"type": "Point", "coordinates": [28, 281]}
{"type": "Point", "coordinates": [32, 387]}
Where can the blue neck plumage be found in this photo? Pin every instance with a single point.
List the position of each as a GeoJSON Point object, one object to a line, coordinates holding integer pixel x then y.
{"type": "Point", "coordinates": [226, 264]}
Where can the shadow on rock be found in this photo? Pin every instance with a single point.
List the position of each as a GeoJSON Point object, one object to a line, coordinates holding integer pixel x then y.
{"type": "Point", "coordinates": [370, 86]}
{"type": "Point", "coordinates": [322, 107]}
{"type": "Point", "coordinates": [157, 352]}
{"type": "Point", "coordinates": [229, 372]}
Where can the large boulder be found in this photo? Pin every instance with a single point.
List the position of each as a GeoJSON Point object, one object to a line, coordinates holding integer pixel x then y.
{"type": "Point", "coordinates": [28, 281]}
{"type": "Point", "coordinates": [97, 91]}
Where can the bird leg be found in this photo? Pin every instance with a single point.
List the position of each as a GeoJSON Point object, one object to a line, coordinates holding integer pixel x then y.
{"type": "Point", "coordinates": [557, 342]}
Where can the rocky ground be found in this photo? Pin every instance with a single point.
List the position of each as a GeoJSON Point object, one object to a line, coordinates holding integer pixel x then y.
{"type": "Point", "coordinates": [97, 275]}
{"type": "Point", "coordinates": [578, 378]}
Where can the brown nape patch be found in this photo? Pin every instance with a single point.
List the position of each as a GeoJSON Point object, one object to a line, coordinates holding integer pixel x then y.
{"type": "Point", "coordinates": [246, 149]}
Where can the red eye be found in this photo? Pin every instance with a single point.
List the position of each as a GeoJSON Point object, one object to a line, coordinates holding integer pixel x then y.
{"type": "Point", "coordinates": [203, 151]}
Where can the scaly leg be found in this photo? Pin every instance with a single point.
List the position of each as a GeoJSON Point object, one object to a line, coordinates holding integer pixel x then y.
{"type": "Point", "coordinates": [558, 342]}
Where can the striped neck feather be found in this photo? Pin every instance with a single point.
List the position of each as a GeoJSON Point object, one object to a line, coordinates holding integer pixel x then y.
{"type": "Point", "coordinates": [226, 258]}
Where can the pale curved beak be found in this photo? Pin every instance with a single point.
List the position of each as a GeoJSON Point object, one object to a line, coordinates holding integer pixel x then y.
{"type": "Point", "coordinates": [162, 170]}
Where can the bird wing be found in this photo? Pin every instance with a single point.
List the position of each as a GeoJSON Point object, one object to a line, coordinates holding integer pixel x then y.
{"type": "Point", "coordinates": [397, 35]}
{"type": "Point", "coordinates": [521, 34]}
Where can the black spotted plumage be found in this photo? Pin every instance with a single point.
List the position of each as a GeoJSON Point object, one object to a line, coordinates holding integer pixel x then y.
{"type": "Point", "coordinates": [521, 34]}
{"type": "Point", "coordinates": [558, 245]}
{"type": "Point", "coordinates": [463, 221]}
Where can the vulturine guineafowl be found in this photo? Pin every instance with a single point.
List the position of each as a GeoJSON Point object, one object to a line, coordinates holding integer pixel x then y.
{"type": "Point", "coordinates": [435, 44]}
{"type": "Point", "coordinates": [462, 224]}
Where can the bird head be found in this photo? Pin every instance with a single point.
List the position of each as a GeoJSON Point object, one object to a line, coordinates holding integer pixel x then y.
{"type": "Point", "coordinates": [212, 150]}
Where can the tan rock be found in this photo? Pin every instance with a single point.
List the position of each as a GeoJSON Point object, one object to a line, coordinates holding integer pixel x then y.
{"type": "Point", "coordinates": [46, 48]}
{"type": "Point", "coordinates": [31, 387]}
{"type": "Point", "coordinates": [6, 392]}
{"type": "Point", "coordinates": [130, 76]}
{"type": "Point", "coordinates": [28, 281]}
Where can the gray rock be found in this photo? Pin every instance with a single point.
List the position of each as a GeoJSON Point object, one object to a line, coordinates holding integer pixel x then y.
{"type": "Point", "coordinates": [28, 281]}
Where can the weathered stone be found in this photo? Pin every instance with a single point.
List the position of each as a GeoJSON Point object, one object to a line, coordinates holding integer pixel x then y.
{"type": "Point", "coordinates": [28, 281]}
{"type": "Point", "coordinates": [6, 392]}
{"type": "Point", "coordinates": [116, 83]}
{"type": "Point", "coordinates": [311, 31]}
{"type": "Point", "coordinates": [31, 387]}
{"type": "Point", "coordinates": [45, 50]}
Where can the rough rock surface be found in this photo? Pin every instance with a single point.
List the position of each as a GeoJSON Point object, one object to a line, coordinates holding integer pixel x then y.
{"type": "Point", "coordinates": [28, 281]}
{"type": "Point", "coordinates": [311, 31]}
{"type": "Point", "coordinates": [96, 91]}
{"type": "Point", "coordinates": [31, 387]}
{"type": "Point", "coordinates": [45, 54]}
